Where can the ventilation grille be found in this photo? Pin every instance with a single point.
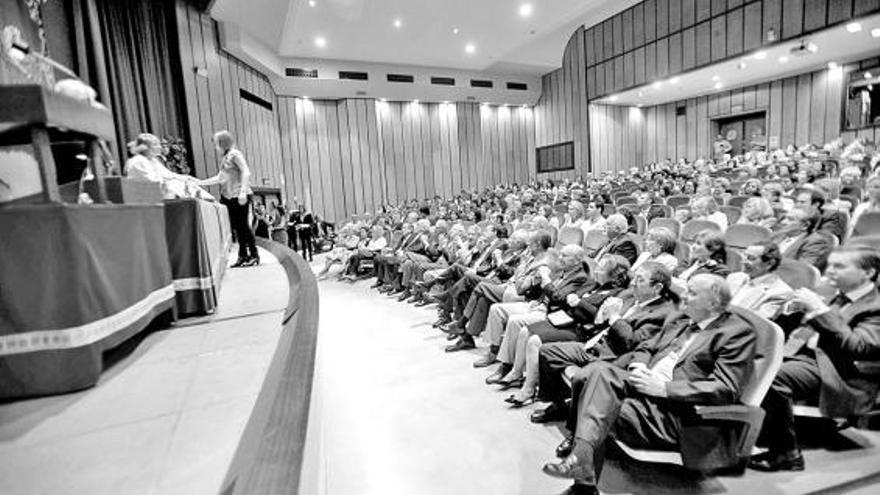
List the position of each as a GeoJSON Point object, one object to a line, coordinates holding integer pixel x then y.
{"type": "Point", "coordinates": [471, 98]}
{"type": "Point", "coordinates": [360, 93]}
{"type": "Point", "coordinates": [480, 83]}
{"type": "Point", "coordinates": [356, 76]}
{"type": "Point", "coordinates": [518, 86]}
{"type": "Point", "coordinates": [443, 81]}
{"type": "Point", "coordinates": [295, 72]}
{"type": "Point", "coordinates": [680, 110]}
{"type": "Point", "coordinates": [400, 78]}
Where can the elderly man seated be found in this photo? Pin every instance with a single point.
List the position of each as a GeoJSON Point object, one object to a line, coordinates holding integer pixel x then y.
{"type": "Point", "coordinates": [620, 242]}
{"type": "Point", "coordinates": [819, 363]}
{"type": "Point", "coordinates": [703, 356]}
{"type": "Point", "coordinates": [800, 239]}
{"type": "Point", "coordinates": [758, 287]}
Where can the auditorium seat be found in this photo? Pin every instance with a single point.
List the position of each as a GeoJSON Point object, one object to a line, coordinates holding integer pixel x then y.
{"type": "Point", "coordinates": [570, 235]}
{"type": "Point", "coordinates": [734, 261]}
{"type": "Point", "coordinates": [733, 213]}
{"type": "Point", "coordinates": [741, 236]}
{"type": "Point", "coordinates": [872, 241]}
{"type": "Point", "coordinates": [738, 201]}
{"type": "Point", "coordinates": [692, 228]}
{"type": "Point", "coordinates": [676, 201]}
{"type": "Point", "coordinates": [867, 224]}
{"type": "Point", "coordinates": [798, 274]}
{"type": "Point", "coordinates": [594, 241]}
{"type": "Point", "coordinates": [669, 223]}
{"type": "Point", "coordinates": [608, 209]}
{"type": "Point", "coordinates": [625, 200]}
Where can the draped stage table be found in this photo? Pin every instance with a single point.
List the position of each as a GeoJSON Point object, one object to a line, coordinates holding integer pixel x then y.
{"type": "Point", "coordinates": [199, 236]}
{"type": "Point", "coordinates": [76, 280]}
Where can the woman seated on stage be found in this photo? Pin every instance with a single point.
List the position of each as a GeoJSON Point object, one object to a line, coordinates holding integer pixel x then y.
{"type": "Point", "coordinates": [566, 324]}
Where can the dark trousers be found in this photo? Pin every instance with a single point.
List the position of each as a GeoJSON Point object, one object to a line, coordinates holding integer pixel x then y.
{"type": "Point", "coordinates": [477, 309]}
{"type": "Point", "coordinates": [604, 405]}
{"type": "Point", "coordinates": [305, 243]}
{"type": "Point", "coordinates": [552, 361]}
{"type": "Point", "coordinates": [238, 219]}
{"type": "Point", "coordinates": [798, 379]}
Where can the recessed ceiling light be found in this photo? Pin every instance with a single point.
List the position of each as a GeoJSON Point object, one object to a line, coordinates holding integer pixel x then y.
{"type": "Point", "coordinates": [718, 85]}
{"type": "Point", "coordinates": [741, 65]}
{"type": "Point", "coordinates": [760, 55]}
{"type": "Point", "coordinates": [639, 105]}
{"type": "Point", "coordinates": [875, 32]}
{"type": "Point", "coordinates": [868, 75]}
{"type": "Point", "coordinates": [833, 65]}
{"type": "Point", "coordinates": [320, 42]}
{"type": "Point", "coordinates": [612, 98]}
{"type": "Point", "coordinates": [398, 23]}
{"type": "Point", "coordinates": [415, 102]}
{"type": "Point", "coordinates": [812, 47]}
{"type": "Point", "coordinates": [525, 106]}
{"type": "Point", "coordinates": [657, 85]}
{"type": "Point", "coordinates": [675, 80]}
{"type": "Point", "coordinates": [470, 48]}
{"type": "Point", "coordinates": [304, 97]}
{"type": "Point", "coordinates": [446, 102]}
{"type": "Point", "coordinates": [525, 10]}
{"type": "Point", "coordinates": [640, 94]}
{"type": "Point", "coordinates": [454, 30]}
{"type": "Point", "coordinates": [383, 100]}
{"type": "Point", "coordinates": [783, 59]}
{"type": "Point", "coordinates": [716, 78]}
{"type": "Point", "coordinates": [312, 3]}
{"type": "Point", "coordinates": [854, 27]}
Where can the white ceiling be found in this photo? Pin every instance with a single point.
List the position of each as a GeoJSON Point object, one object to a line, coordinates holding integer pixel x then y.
{"type": "Point", "coordinates": [362, 30]}
{"type": "Point", "coordinates": [834, 45]}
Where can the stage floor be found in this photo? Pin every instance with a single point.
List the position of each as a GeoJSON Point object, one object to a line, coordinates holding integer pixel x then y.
{"type": "Point", "coordinates": [167, 417]}
{"type": "Point", "coordinates": [394, 414]}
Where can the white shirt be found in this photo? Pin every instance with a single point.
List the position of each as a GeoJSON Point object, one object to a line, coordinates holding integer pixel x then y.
{"type": "Point", "coordinates": [666, 364]}
{"type": "Point", "coordinates": [597, 223]}
{"type": "Point", "coordinates": [665, 259]}
{"type": "Point", "coordinates": [377, 244]}
{"type": "Point", "coordinates": [145, 169]}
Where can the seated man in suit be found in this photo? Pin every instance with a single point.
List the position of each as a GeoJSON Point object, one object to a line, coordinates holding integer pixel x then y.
{"type": "Point", "coordinates": [624, 330]}
{"type": "Point", "coordinates": [703, 356]}
{"type": "Point", "coordinates": [819, 357]}
{"type": "Point", "coordinates": [799, 238]}
{"type": "Point", "coordinates": [814, 202]}
{"type": "Point", "coordinates": [758, 287]}
{"type": "Point", "coordinates": [620, 242]}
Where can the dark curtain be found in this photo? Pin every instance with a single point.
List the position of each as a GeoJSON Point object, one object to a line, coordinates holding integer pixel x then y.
{"type": "Point", "coordinates": [141, 63]}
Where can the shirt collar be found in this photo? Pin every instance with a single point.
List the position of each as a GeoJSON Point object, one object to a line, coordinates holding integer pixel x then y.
{"type": "Point", "coordinates": [648, 302]}
{"type": "Point", "coordinates": [860, 292]}
{"type": "Point", "coordinates": [764, 279]}
{"type": "Point", "coordinates": [703, 324]}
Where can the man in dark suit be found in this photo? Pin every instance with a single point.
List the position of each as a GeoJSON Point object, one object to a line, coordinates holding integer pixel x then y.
{"type": "Point", "coordinates": [624, 330]}
{"type": "Point", "coordinates": [799, 239]}
{"type": "Point", "coordinates": [820, 363]}
{"type": "Point", "coordinates": [619, 241]}
{"type": "Point", "coordinates": [832, 222]}
{"type": "Point", "coordinates": [704, 355]}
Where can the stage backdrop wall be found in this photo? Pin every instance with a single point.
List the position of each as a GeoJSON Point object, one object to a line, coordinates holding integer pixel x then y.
{"type": "Point", "coordinates": [800, 109]}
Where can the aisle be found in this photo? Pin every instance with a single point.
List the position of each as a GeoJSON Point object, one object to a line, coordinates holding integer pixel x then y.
{"type": "Point", "coordinates": [400, 416]}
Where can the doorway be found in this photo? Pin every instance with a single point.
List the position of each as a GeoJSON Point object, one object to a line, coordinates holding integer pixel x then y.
{"type": "Point", "coordinates": [742, 133]}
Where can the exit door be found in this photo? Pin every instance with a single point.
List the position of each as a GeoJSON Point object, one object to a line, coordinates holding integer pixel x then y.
{"type": "Point", "coordinates": [747, 133]}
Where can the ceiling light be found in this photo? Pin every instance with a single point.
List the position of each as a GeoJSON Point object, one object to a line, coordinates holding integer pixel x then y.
{"type": "Point", "coordinates": [383, 100]}
{"type": "Point", "coordinates": [875, 32]}
{"type": "Point", "coordinates": [415, 102]}
{"type": "Point", "coordinates": [312, 3]}
{"type": "Point", "coordinates": [716, 78]}
{"type": "Point", "coordinates": [868, 75]}
{"type": "Point", "coordinates": [783, 59]}
{"type": "Point", "coordinates": [675, 80]}
{"type": "Point", "coordinates": [657, 85]}
{"type": "Point", "coordinates": [398, 23]}
{"type": "Point", "coordinates": [320, 42]}
{"type": "Point", "coordinates": [612, 98]}
{"type": "Point", "coordinates": [446, 102]}
{"type": "Point", "coordinates": [304, 97]}
{"type": "Point", "coordinates": [854, 27]}
{"type": "Point", "coordinates": [525, 10]}
{"type": "Point", "coordinates": [833, 65]}
{"type": "Point", "coordinates": [470, 48]}
{"type": "Point", "coordinates": [718, 85]}
{"type": "Point", "coordinates": [640, 94]}
{"type": "Point", "coordinates": [525, 106]}
{"type": "Point", "coordinates": [639, 105]}
{"type": "Point", "coordinates": [454, 30]}
{"type": "Point", "coordinates": [741, 65]}
{"type": "Point", "coordinates": [812, 47]}
{"type": "Point", "coordinates": [760, 55]}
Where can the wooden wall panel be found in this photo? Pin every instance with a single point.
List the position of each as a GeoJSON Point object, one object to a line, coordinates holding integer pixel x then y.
{"type": "Point", "coordinates": [792, 18]}
{"type": "Point", "coordinates": [814, 14]}
{"type": "Point", "coordinates": [752, 33]}
{"type": "Point", "coordinates": [735, 32]}
{"type": "Point", "coordinates": [674, 15]}
{"type": "Point", "coordinates": [689, 48]}
{"type": "Point", "coordinates": [704, 43]}
{"type": "Point", "coordinates": [650, 20]}
{"type": "Point", "coordinates": [719, 38]}
{"type": "Point", "coordinates": [839, 10]}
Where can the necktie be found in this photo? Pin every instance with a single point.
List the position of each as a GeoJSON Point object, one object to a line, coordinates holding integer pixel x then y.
{"type": "Point", "coordinates": [799, 338]}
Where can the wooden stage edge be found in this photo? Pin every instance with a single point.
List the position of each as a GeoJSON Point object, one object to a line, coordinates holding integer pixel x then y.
{"type": "Point", "coordinates": [269, 457]}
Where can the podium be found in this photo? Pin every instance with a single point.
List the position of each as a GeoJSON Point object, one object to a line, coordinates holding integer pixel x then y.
{"type": "Point", "coordinates": [30, 113]}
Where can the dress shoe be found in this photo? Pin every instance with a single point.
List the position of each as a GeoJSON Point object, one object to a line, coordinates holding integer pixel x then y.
{"type": "Point", "coordinates": [553, 412]}
{"type": "Point", "coordinates": [376, 285]}
{"type": "Point", "coordinates": [574, 466]}
{"type": "Point", "coordinates": [406, 294]}
{"type": "Point", "coordinates": [452, 336]}
{"type": "Point", "coordinates": [488, 360]}
{"type": "Point", "coordinates": [581, 489]}
{"type": "Point", "coordinates": [461, 344]}
{"type": "Point", "coordinates": [441, 321]}
{"type": "Point", "coordinates": [771, 462]}
{"type": "Point", "coordinates": [385, 289]}
{"type": "Point", "coordinates": [564, 448]}
{"type": "Point", "coordinates": [508, 384]}
{"type": "Point", "coordinates": [252, 261]}
{"type": "Point", "coordinates": [239, 262]}
{"type": "Point", "coordinates": [451, 328]}
{"type": "Point", "coordinates": [499, 374]}
{"type": "Point", "coordinates": [422, 303]}
{"type": "Point", "coordinates": [517, 403]}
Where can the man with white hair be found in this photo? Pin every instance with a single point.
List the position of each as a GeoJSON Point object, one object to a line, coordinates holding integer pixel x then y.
{"type": "Point", "coordinates": [620, 242]}
{"type": "Point", "coordinates": [704, 355]}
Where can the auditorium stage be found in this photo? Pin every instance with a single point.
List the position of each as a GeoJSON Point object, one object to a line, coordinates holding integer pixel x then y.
{"type": "Point", "coordinates": [394, 414]}
{"type": "Point", "coordinates": [167, 417]}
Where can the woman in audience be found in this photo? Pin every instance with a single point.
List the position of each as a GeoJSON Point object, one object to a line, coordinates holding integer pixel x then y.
{"type": "Point", "coordinates": [757, 211]}
{"type": "Point", "coordinates": [872, 191]}
{"type": "Point", "coordinates": [708, 255]}
{"type": "Point", "coordinates": [365, 251]}
{"type": "Point", "coordinates": [752, 187]}
{"type": "Point", "coordinates": [349, 240]}
{"type": "Point", "coordinates": [705, 208]}
{"type": "Point", "coordinates": [660, 244]}
{"type": "Point", "coordinates": [278, 224]}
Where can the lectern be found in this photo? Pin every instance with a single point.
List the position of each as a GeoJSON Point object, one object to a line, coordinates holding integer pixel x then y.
{"type": "Point", "coordinates": [30, 113]}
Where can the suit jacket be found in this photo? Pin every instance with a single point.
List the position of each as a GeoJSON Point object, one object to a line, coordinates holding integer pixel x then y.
{"type": "Point", "coordinates": [625, 245]}
{"type": "Point", "coordinates": [585, 311]}
{"type": "Point", "coordinates": [573, 282]}
{"type": "Point", "coordinates": [764, 296]}
{"type": "Point", "coordinates": [833, 222]}
{"type": "Point", "coordinates": [627, 333]}
{"type": "Point", "coordinates": [845, 336]}
{"type": "Point", "coordinates": [813, 249]}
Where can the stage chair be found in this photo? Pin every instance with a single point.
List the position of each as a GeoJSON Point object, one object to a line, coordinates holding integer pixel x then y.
{"type": "Point", "coordinates": [570, 235]}
{"type": "Point", "coordinates": [669, 223]}
{"type": "Point", "coordinates": [867, 224]}
{"type": "Point", "coordinates": [625, 200]}
{"type": "Point", "coordinates": [738, 201]}
{"type": "Point", "coordinates": [690, 230]}
{"type": "Point", "coordinates": [741, 236]}
{"type": "Point", "coordinates": [676, 201]}
{"type": "Point", "coordinates": [733, 213]}
{"type": "Point", "coordinates": [798, 274]}
{"type": "Point", "coordinates": [682, 253]}
{"type": "Point", "coordinates": [594, 241]}
{"type": "Point", "coordinates": [745, 418]}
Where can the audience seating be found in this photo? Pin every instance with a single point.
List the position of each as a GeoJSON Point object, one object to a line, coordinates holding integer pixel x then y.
{"type": "Point", "coordinates": [570, 235]}
{"type": "Point", "coordinates": [670, 223]}
{"type": "Point", "coordinates": [872, 241]}
{"type": "Point", "coordinates": [594, 241]}
{"type": "Point", "coordinates": [738, 201]}
{"type": "Point", "coordinates": [798, 274]}
{"type": "Point", "coordinates": [734, 261]}
{"type": "Point", "coordinates": [625, 200]}
{"type": "Point", "coordinates": [867, 224]}
{"type": "Point", "coordinates": [608, 209]}
{"type": "Point", "coordinates": [853, 201]}
{"type": "Point", "coordinates": [690, 230]}
{"type": "Point", "coordinates": [682, 253]}
{"type": "Point", "coordinates": [676, 201]}
{"type": "Point", "coordinates": [855, 191]}
{"type": "Point", "coordinates": [733, 213]}
{"type": "Point", "coordinates": [741, 236]}
{"type": "Point", "coordinates": [667, 210]}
